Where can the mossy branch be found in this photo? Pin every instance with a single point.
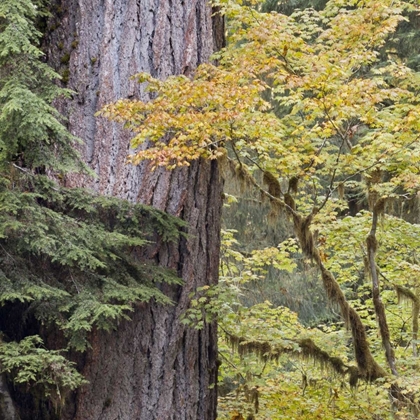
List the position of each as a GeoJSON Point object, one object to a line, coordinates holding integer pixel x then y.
{"type": "Point", "coordinates": [303, 348]}
{"type": "Point", "coordinates": [371, 244]}
{"type": "Point", "coordinates": [368, 367]}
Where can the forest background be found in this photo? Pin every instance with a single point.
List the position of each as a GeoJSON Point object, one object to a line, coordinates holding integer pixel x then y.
{"type": "Point", "coordinates": [313, 112]}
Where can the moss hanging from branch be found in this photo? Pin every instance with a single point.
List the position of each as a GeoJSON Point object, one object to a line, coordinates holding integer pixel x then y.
{"type": "Point", "coordinates": [305, 349]}
{"type": "Point", "coordinates": [368, 367]}
{"type": "Point", "coordinates": [293, 184]}
{"type": "Point", "coordinates": [272, 183]}
{"type": "Point", "coordinates": [404, 293]}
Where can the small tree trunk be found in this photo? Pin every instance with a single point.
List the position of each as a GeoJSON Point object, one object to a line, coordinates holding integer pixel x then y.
{"type": "Point", "coordinates": [371, 243]}
{"type": "Point", "coordinates": [416, 312]}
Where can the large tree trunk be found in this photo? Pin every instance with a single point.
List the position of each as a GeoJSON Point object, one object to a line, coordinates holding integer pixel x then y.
{"type": "Point", "coordinates": [152, 367]}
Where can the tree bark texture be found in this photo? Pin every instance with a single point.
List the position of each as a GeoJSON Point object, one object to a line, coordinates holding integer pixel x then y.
{"type": "Point", "coordinates": [7, 407]}
{"type": "Point", "coordinates": [152, 367]}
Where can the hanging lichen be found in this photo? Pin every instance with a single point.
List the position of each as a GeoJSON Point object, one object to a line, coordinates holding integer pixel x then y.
{"type": "Point", "coordinates": [306, 349]}
{"type": "Point", "coordinates": [404, 293]}
{"type": "Point", "coordinates": [273, 185]}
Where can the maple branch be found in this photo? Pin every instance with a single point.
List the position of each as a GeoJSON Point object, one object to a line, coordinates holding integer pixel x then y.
{"type": "Point", "coordinates": [311, 163]}
{"type": "Point", "coordinates": [286, 66]}
{"type": "Point", "coordinates": [263, 191]}
{"type": "Point", "coordinates": [360, 171]}
{"type": "Point", "coordinates": [343, 136]}
{"type": "Point", "coordinates": [330, 187]}
{"type": "Point", "coordinates": [256, 164]}
{"type": "Point", "coordinates": [236, 154]}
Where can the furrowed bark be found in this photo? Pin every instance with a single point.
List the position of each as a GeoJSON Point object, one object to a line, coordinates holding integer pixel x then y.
{"type": "Point", "coordinates": [152, 367]}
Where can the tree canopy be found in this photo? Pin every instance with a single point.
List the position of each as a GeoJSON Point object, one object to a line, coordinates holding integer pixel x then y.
{"type": "Point", "coordinates": [315, 114]}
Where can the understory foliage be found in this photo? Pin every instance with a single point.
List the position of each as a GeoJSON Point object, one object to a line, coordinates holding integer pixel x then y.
{"type": "Point", "coordinates": [315, 113]}
{"type": "Point", "coordinates": [70, 261]}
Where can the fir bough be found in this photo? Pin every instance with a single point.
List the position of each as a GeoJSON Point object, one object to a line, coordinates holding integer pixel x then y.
{"type": "Point", "coordinates": [69, 260]}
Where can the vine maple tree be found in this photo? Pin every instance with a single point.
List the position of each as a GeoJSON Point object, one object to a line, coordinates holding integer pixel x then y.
{"type": "Point", "coordinates": [307, 109]}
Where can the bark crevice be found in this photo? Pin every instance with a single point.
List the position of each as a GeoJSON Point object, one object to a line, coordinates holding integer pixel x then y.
{"type": "Point", "coordinates": [152, 367]}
